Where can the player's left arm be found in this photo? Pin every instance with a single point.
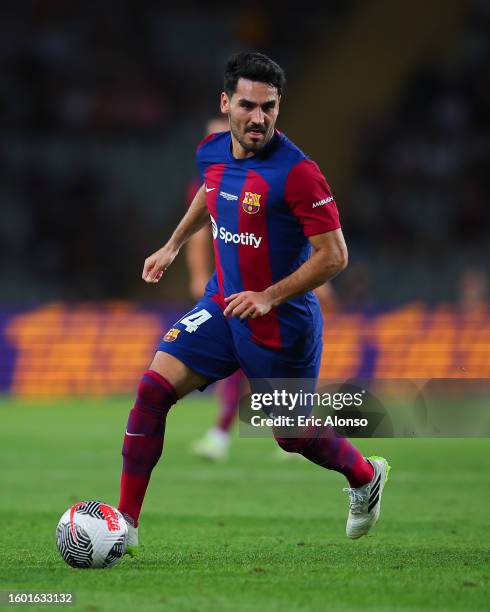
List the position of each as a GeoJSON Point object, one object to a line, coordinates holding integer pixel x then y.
{"type": "Point", "coordinates": [328, 259]}
{"type": "Point", "coordinates": [310, 200]}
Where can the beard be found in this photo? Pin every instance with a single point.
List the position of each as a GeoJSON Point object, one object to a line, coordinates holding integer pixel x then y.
{"type": "Point", "coordinates": [251, 147]}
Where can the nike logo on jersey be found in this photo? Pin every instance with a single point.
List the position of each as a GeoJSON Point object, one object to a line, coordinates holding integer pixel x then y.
{"type": "Point", "coordinates": [131, 434]}
{"type": "Point", "coordinates": [208, 189]}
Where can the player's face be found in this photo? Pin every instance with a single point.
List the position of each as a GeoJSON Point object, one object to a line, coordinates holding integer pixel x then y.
{"type": "Point", "coordinates": [252, 111]}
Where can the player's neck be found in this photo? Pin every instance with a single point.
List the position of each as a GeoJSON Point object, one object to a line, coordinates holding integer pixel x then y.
{"type": "Point", "coordinates": [238, 151]}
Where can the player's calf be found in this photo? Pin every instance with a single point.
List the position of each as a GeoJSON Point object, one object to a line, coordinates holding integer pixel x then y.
{"type": "Point", "coordinates": [143, 440]}
{"type": "Point", "coordinates": [322, 446]}
{"type": "Point", "coordinates": [291, 445]}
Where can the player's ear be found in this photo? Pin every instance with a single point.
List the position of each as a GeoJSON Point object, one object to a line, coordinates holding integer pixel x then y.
{"type": "Point", "coordinates": [224, 102]}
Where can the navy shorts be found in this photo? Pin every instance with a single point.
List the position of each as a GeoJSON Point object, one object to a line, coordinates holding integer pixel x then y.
{"type": "Point", "coordinates": [208, 343]}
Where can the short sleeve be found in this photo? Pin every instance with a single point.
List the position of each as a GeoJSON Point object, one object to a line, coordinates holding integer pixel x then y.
{"type": "Point", "coordinates": [192, 188]}
{"type": "Point", "coordinates": [200, 156]}
{"type": "Point", "coordinates": [308, 195]}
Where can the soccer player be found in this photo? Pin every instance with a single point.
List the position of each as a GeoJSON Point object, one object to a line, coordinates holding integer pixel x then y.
{"type": "Point", "coordinates": [214, 444]}
{"type": "Point", "coordinates": [276, 236]}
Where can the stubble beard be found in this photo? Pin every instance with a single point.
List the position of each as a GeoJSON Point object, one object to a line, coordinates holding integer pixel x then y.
{"type": "Point", "coordinates": [253, 147]}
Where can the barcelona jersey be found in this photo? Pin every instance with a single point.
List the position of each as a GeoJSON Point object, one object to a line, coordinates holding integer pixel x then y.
{"type": "Point", "coordinates": [263, 209]}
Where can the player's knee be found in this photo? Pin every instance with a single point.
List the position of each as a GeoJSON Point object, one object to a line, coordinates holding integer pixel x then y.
{"type": "Point", "coordinates": [155, 393]}
{"type": "Point", "coordinates": [290, 445]}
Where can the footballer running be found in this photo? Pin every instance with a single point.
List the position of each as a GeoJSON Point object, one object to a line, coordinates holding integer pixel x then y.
{"type": "Point", "coordinates": [258, 312]}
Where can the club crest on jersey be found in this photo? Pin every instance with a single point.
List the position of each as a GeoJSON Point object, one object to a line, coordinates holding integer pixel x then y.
{"type": "Point", "coordinates": [251, 203]}
{"type": "Point", "coordinates": [171, 335]}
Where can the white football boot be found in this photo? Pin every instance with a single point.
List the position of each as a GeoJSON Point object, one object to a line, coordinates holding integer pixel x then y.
{"type": "Point", "coordinates": [365, 501]}
{"type": "Point", "coordinates": [214, 445]}
{"type": "Point", "coordinates": [132, 545]}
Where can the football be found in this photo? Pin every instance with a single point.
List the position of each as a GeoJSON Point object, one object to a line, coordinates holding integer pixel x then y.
{"type": "Point", "coordinates": [92, 534]}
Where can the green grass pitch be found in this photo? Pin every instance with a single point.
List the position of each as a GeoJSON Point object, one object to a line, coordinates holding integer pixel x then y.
{"type": "Point", "coordinates": [251, 534]}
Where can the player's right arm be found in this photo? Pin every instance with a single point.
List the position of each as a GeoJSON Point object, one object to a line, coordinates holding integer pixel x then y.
{"type": "Point", "coordinates": [196, 217]}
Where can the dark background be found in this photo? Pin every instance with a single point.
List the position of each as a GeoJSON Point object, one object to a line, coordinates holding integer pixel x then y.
{"type": "Point", "coordinates": [102, 105]}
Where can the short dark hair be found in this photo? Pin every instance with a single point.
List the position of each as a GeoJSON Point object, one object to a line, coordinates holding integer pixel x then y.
{"type": "Point", "coordinates": [253, 66]}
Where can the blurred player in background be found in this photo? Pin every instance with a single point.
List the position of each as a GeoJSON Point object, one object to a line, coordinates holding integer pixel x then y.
{"type": "Point", "coordinates": [473, 287]}
{"type": "Point", "coordinates": [277, 236]}
{"type": "Point", "coordinates": [214, 445]}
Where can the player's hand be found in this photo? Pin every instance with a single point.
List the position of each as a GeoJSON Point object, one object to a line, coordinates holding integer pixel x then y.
{"type": "Point", "coordinates": [156, 264]}
{"type": "Point", "coordinates": [248, 304]}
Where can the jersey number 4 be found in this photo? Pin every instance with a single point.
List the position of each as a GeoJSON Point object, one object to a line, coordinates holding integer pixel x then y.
{"type": "Point", "coordinates": [192, 321]}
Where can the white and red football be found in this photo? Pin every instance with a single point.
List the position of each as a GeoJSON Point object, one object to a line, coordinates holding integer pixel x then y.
{"type": "Point", "coordinates": [92, 534]}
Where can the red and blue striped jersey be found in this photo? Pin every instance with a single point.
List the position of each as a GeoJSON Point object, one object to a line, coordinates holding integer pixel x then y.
{"type": "Point", "coordinates": [263, 209]}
